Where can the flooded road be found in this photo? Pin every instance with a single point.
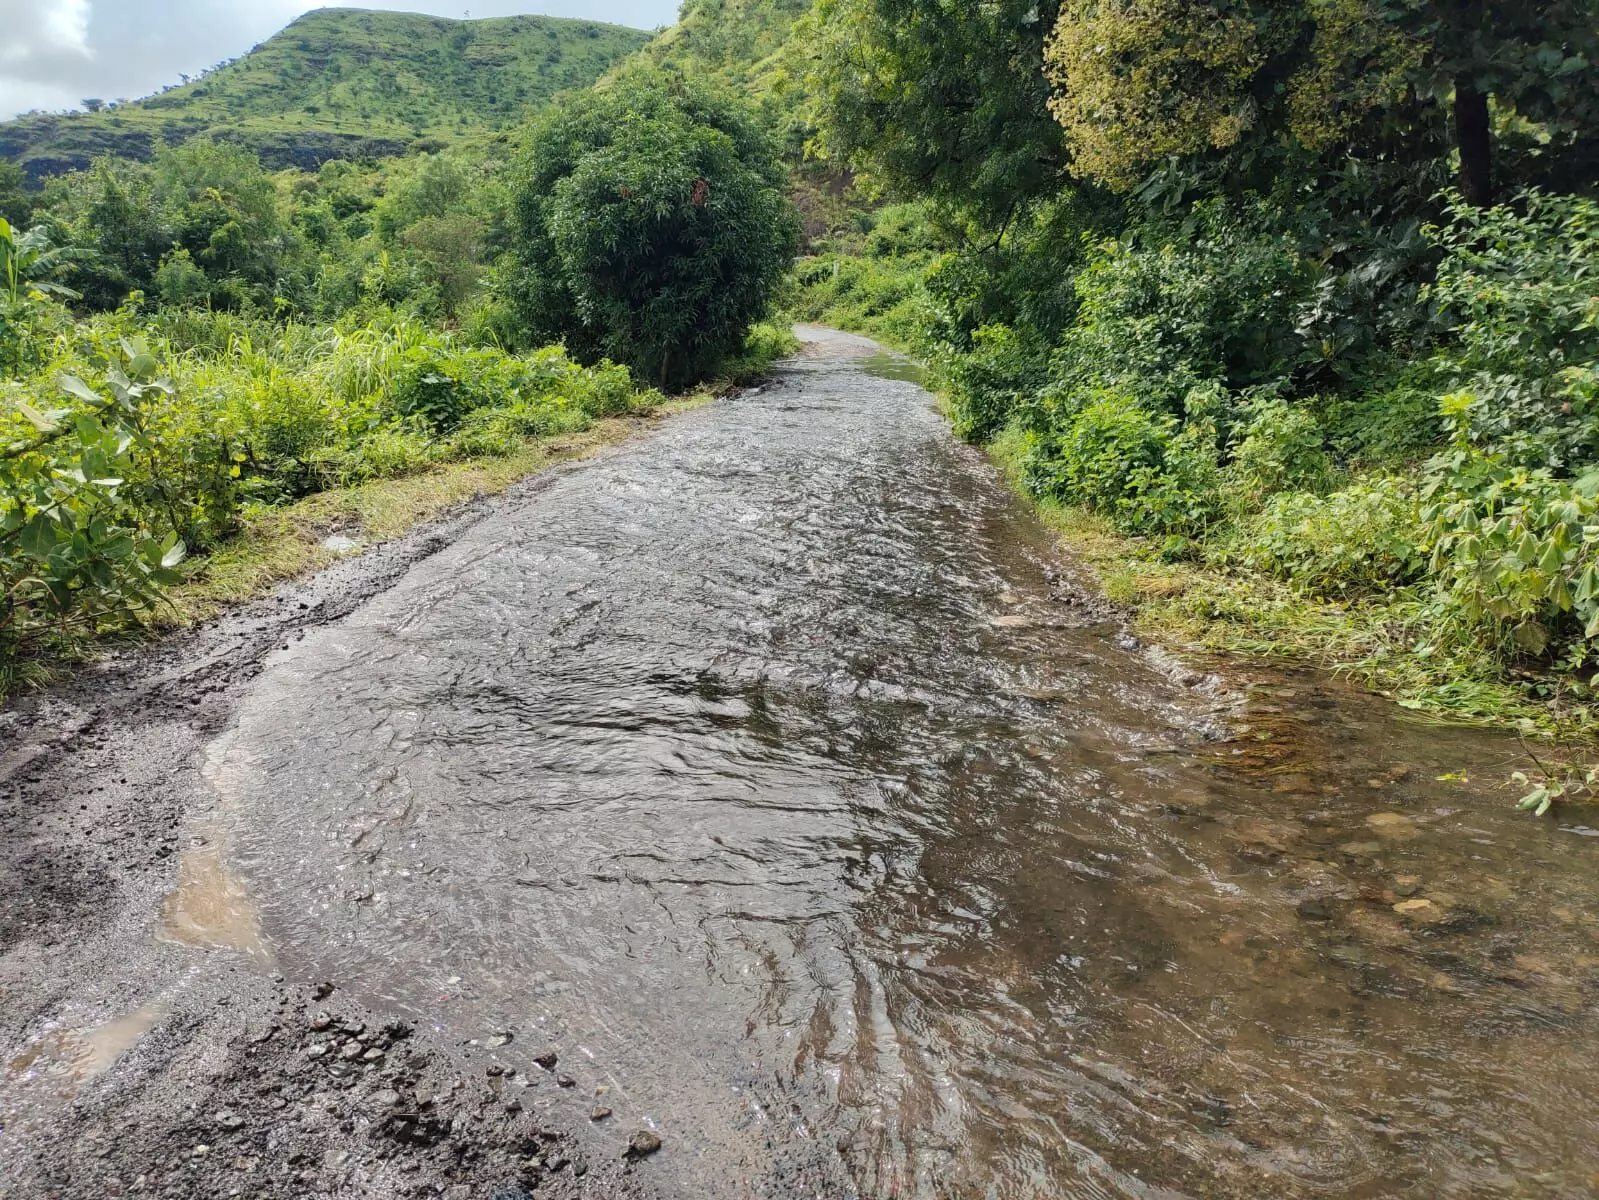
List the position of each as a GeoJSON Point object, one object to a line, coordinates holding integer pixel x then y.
{"type": "Point", "coordinates": [778, 774]}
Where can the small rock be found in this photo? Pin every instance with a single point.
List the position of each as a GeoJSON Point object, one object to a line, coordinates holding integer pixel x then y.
{"type": "Point", "coordinates": [1313, 909]}
{"type": "Point", "coordinates": [565, 1081]}
{"type": "Point", "coordinates": [643, 1143]}
{"type": "Point", "coordinates": [1407, 885]}
{"type": "Point", "coordinates": [321, 1021]}
{"type": "Point", "coordinates": [513, 1106]}
{"type": "Point", "coordinates": [317, 1051]}
{"type": "Point", "coordinates": [322, 991]}
{"type": "Point", "coordinates": [1392, 825]}
{"type": "Point", "coordinates": [494, 1070]}
{"type": "Point", "coordinates": [228, 1119]}
{"type": "Point", "coordinates": [387, 1098]}
{"type": "Point", "coordinates": [373, 1055]}
{"type": "Point", "coordinates": [1414, 908]}
{"type": "Point", "coordinates": [351, 1051]}
{"type": "Point", "coordinates": [599, 1112]}
{"type": "Point", "coordinates": [547, 1060]}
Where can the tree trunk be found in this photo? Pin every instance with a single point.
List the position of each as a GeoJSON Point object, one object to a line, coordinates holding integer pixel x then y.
{"type": "Point", "coordinates": [1472, 137]}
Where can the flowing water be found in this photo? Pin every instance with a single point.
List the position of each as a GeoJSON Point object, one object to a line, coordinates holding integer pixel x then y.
{"type": "Point", "coordinates": [775, 770]}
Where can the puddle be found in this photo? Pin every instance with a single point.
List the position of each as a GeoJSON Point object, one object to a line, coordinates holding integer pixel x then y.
{"type": "Point", "coordinates": [210, 908]}
{"type": "Point", "coordinates": [54, 1068]}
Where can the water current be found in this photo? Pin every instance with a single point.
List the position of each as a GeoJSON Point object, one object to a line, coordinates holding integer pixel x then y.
{"type": "Point", "coordinates": [779, 772]}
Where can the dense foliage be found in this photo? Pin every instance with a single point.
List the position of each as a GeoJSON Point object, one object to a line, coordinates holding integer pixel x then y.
{"type": "Point", "coordinates": [650, 226]}
{"type": "Point", "coordinates": [1225, 301]}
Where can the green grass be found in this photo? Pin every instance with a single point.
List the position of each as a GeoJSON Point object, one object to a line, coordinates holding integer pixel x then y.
{"type": "Point", "coordinates": [344, 82]}
{"type": "Point", "coordinates": [1196, 607]}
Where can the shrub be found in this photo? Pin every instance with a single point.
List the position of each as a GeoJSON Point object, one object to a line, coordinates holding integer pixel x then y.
{"type": "Point", "coordinates": [1137, 468]}
{"type": "Point", "coordinates": [1360, 540]}
{"type": "Point", "coordinates": [651, 227]}
{"type": "Point", "coordinates": [1514, 555]}
{"type": "Point", "coordinates": [73, 552]}
{"type": "Point", "coordinates": [1517, 287]}
{"type": "Point", "coordinates": [988, 384]}
{"type": "Point", "coordinates": [1279, 447]}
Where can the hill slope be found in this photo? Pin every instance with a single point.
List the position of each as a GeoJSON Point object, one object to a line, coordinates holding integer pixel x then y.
{"type": "Point", "coordinates": [341, 82]}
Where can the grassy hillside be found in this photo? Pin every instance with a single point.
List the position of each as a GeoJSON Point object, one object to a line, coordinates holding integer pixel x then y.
{"type": "Point", "coordinates": [342, 82]}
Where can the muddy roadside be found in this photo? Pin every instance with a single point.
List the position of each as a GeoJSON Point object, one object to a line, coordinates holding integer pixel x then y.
{"type": "Point", "coordinates": [134, 1064]}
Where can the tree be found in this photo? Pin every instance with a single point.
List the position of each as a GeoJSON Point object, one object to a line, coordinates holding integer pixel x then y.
{"type": "Point", "coordinates": [650, 226]}
{"type": "Point", "coordinates": [450, 247]}
{"type": "Point", "coordinates": [15, 203]}
{"type": "Point", "coordinates": [939, 98]}
{"type": "Point", "coordinates": [1137, 81]}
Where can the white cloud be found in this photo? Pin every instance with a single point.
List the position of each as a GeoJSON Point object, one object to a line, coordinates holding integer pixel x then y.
{"type": "Point", "coordinates": [42, 37]}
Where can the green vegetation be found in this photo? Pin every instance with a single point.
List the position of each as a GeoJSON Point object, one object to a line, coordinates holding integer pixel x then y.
{"type": "Point", "coordinates": [342, 83]}
{"type": "Point", "coordinates": [651, 226]}
{"type": "Point", "coordinates": [1197, 276]}
{"type": "Point", "coordinates": [204, 362]}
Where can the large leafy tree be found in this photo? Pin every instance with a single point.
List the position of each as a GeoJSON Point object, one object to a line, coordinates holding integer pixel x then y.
{"type": "Point", "coordinates": [650, 227]}
{"type": "Point", "coordinates": [1138, 81]}
{"type": "Point", "coordinates": [939, 98]}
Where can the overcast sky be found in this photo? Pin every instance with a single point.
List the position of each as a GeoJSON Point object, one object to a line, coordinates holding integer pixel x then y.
{"type": "Point", "coordinates": [53, 53]}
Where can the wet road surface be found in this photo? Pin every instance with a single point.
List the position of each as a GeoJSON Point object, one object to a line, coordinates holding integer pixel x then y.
{"type": "Point", "coordinates": [779, 774]}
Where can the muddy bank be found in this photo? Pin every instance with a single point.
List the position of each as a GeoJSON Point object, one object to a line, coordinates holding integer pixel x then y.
{"type": "Point", "coordinates": [132, 1063]}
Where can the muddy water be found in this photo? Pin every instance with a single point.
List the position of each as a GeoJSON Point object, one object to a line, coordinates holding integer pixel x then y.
{"type": "Point", "coordinates": [774, 771]}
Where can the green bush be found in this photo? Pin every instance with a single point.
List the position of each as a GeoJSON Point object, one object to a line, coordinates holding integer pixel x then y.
{"type": "Point", "coordinates": [74, 553]}
{"type": "Point", "coordinates": [1517, 287]}
{"type": "Point", "coordinates": [1278, 447]}
{"type": "Point", "coordinates": [1514, 557]}
{"type": "Point", "coordinates": [651, 227]}
{"type": "Point", "coordinates": [1361, 540]}
{"type": "Point", "coordinates": [1140, 469]}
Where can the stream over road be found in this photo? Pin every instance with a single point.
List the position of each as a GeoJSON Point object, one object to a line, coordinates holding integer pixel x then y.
{"type": "Point", "coordinates": [778, 773]}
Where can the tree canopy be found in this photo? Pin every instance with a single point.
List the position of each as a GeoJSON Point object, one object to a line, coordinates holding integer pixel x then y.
{"type": "Point", "coordinates": [1136, 81]}
{"type": "Point", "coordinates": [651, 226]}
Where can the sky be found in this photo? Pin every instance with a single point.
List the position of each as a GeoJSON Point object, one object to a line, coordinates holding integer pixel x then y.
{"type": "Point", "coordinates": [55, 53]}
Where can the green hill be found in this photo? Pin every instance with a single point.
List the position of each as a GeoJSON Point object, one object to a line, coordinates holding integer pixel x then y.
{"type": "Point", "coordinates": [340, 83]}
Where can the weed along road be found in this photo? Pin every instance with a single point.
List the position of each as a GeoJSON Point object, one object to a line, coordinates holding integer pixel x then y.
{"type": "Point", "coordinates": [771, 787]}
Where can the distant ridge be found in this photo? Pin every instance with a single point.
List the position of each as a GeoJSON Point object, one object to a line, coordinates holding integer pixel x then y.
{"type": "Point", "coordinates": [343, 82]}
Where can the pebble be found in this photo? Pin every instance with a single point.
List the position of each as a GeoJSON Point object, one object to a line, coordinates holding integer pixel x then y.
{"type": "Point", "coordinates": [228, 1119]}
{"type": "Point", "coordinates": [642, 1143]}
{"type": "Point", "coordinates": [547, 1060]}
{"type": "Point", "coordinates": [321, 1021]}
{"type": "Point", "coordinates": [1407, 885]}
{"type": "Point", "coordinates": [1413, 908]}
{"type": "Point", "coordinates": [1392, 825]}
{"type": "Point", "coordinates": [351, 1051]}
{"type": "Point", "coordinates": [317, 1051]}
{"type": "Point", "coordinates": [1313, 910]}
{"type": "Point", "coordinates": [387, 1098]}
{"type": "Point", "coordinates": [599, 1112]}
{"type": "Point", "coordinates": [565, 1081]}
{"type": "Point", "coordinates": [322, 991]}
{"type": "Point", "coordinates": [373, 1055]}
